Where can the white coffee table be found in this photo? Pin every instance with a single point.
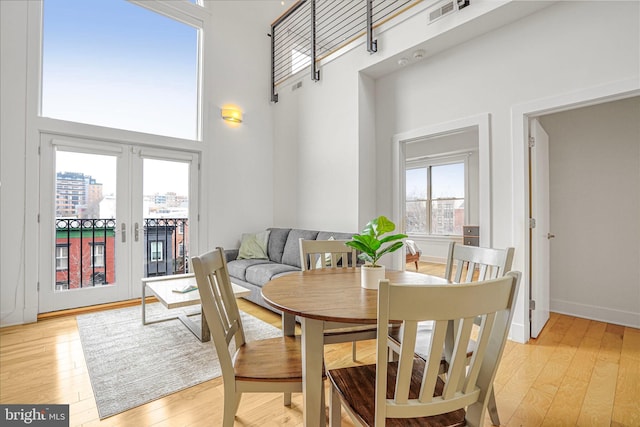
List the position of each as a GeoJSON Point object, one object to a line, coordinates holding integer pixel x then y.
{"type": "Point", "coordinates": [162, 288]}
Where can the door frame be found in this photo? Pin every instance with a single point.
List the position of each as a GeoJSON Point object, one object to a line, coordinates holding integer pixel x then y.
{"type": "Point", "coordinates": [520, 116]}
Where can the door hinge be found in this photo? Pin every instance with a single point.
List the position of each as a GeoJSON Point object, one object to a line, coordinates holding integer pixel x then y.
{"type": "Point", "coordinates": [532, 304]}
{"type": "Point", "coordinates": [532, 142]}
{"type": "Point", "coordinates": [38, 286]}
{"type": "Point", "coordinates": [532, 223]}
{"type": "Point", "coordinates": [38, 150]}
{"type": "Point", "coordinates": [38, 218]}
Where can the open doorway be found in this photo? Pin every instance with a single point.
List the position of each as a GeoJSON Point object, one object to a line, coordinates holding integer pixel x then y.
{"type": "Point", "coordinates": [594, 211]}
{"type": "Point", "coordinates": [521, 115]}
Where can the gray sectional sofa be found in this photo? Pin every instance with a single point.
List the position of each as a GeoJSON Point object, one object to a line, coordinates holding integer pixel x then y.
{"type": "Point", "coordinates": [283, 251]}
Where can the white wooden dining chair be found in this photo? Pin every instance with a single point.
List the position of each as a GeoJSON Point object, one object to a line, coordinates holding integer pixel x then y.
{"type": "Point", "coordinates": [268, 365]}
{"type": "Point", "coordinates": [320, 254]}
{"type": "Point", "coordinates": [473, 263]}
{"type": "Point", "coordinates": [411, 391]}
{"type": "Point", "coordinates": [465, 264]}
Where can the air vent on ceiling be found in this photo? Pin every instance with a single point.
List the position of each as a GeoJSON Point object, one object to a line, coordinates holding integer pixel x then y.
{"type": "Point", "coordinates": [446, 7]}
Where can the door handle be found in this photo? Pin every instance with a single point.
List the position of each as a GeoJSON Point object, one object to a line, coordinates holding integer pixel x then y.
{"type": "Point", "coordinates": [550, 236]}
{"type": "Point", "coordinates": [123, 230]}
{"type": "Point", "coordinates": [136, 232]}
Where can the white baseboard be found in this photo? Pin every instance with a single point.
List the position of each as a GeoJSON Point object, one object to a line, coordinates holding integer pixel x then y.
{"type": "Point", "coordinates": [516, 333]}
{"type": "Point", "coordinates": [602, 314]}
{"type": "Point", "coordinates": [433, 259]}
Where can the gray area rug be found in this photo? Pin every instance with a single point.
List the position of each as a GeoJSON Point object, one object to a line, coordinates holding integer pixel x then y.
{"type": "Point", "coordinates": [130, 364]}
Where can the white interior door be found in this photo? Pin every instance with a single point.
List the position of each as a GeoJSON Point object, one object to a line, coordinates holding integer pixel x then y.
{"type": "Point", "coordinates": [540, 234]}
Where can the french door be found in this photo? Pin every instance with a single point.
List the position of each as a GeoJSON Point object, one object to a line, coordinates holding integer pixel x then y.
{"type": "Point", "coordinates": [111, 214]}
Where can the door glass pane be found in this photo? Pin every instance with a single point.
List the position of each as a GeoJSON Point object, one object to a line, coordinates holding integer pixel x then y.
{"type": "Point", "coordinates": [116, 64]}
{"type": "Point", "coordinates": [166, 217]}
{"type": "Point", "coordinates": [85, 195]}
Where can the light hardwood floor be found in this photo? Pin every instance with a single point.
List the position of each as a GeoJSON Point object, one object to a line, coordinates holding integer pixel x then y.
{"type": "Point", "coordinates": [578, 373]}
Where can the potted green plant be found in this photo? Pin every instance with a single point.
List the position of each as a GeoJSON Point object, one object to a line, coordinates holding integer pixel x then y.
{"type": "Point", "coordinates": [370, 242]}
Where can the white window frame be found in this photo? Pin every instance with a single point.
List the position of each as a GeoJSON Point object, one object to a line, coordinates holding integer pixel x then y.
{"type": "Point", "coordinates": [98, 254]}
{"type": "Point", "coordinates": [59, 257]}
{"type": "Point", "coordinates": [428, 163]}
{"type": "Point", "coordinates": [159, 249]}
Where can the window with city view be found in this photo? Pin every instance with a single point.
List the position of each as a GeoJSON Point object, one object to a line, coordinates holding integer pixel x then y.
{"type": "Point", "coordinates": [116, 64]}
{"type": "Point", "coordinates": [435, 195]}
{"type": "Point", "coordinates": [134, 67]}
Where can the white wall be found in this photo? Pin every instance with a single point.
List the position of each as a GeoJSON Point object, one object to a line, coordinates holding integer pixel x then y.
{"type": "Point", "coordinates": [237, 163]}
{"type": "Point", "coordinates": [594, 175]}
{"type": "Point", "coordinates": [240, 160]}
{"type": "Point", "coordinates": [563, 48]}
{"type": "Point", "coordinates": [13, 52]}
{"type": "Point", "coordinates": [316, 152]}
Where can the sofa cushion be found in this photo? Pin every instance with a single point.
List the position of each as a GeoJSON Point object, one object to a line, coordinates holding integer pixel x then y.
{"type": "Point", "coordinates": [277, 240]}
{"type": "Point", "coordinates": [325, 235]}
{"type": "Point", "coordinates": [261, 274]}
{"type": "Point", "coordinates": [254, 245]}
{"type": "Point", "coordinates": [238, 267]}
{"type": "Point", "coordinates": [291, 253]}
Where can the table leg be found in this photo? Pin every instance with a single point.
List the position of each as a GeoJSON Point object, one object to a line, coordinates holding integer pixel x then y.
{"type": "Point", "coordinates": [288, 324]}
{"type": "Point", "coordinates": [312, 385]}
{"type": "Point", "coordinates": [144, 298]}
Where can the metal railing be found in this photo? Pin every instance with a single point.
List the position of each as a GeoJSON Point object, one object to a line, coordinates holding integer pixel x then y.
{"type": "Point", "coordinates": [311, 30]}
{"type": "Point", "coordinates": [86, 251]}
{"type": "Point", "coordinates": [84, 265]}
{"type": "Point", "coordinates": [170, 254]}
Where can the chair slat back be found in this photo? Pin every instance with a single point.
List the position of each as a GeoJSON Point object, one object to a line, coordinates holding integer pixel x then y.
{"type": "Point", "coordinates": [316, 254]}
{"type": "Point", "coordinates": [219, 304]}
{"type": "Point", "coordinates": [453, 309]}
{"type": "Point", "coordinates": [472, 263]}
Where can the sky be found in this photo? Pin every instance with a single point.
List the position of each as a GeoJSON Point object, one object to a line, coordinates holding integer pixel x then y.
{"type": "Point", "coordinates": [448, 181]}
{"type": "Point", "coordinates": [159, 176]}
{"type": "Point", "coordinates": [116, 64]}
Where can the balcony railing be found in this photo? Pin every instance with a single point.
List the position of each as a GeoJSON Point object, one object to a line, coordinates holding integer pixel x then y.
{"type": "Point", "coordinates": [85, 250]}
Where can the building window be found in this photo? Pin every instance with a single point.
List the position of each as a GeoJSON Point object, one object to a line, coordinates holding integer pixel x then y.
{"type": "Point", "coordinates": [435, 196]}
{"type": "Point", "coordinates": [62, 257]}
{"type": "Point", "coordinates": [156, 250]}
{"type": "Point", "coordinates": [97, 258]}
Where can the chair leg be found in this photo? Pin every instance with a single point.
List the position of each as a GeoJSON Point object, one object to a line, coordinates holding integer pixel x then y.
{"type": "Point", "coordinates": [416, 265]}
{"type": "Point", "coordinates": [492, 407]}
{"type": "Point", "coordinates": [230, 409]}
{"type": "Point", "coordinates": [335, 417]}
{"type": "Point", "coordinates": [353, 351]}
{"type": "Point", "coordinates": [287, 399]}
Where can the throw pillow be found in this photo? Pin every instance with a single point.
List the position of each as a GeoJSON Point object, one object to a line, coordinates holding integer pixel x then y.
{"type": "Point", "coordinates": [254, 245]}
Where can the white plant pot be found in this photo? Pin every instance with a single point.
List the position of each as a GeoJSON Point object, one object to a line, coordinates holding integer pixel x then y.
{"type": "Point", "coordinates": [370, 276]}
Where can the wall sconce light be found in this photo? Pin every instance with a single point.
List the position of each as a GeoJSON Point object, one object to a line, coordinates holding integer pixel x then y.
{"type": "Point", "coordinates": [232, 115]}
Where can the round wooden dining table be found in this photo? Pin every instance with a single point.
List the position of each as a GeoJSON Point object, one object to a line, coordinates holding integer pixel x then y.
{"type": "Point", "coordinates": [321, 298]}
